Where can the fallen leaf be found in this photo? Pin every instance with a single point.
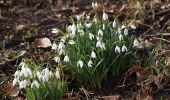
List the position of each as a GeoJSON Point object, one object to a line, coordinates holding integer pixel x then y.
{"type": "Point", "coordinates": [19, 27]}
{"type": "Point", "coordinates": [20, 98]}
{"type": "Point", "coordinates": [144, 97]}
{"type": "Point", "coordinates": [43, 42]}
{"type": "Point", "coordinates": [11, 90]}
{"type": "Point", "coordinates": [114, 97]}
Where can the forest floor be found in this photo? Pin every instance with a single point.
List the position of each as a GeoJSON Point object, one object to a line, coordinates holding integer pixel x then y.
{"type": "Point", "coordinates": [22, 22]}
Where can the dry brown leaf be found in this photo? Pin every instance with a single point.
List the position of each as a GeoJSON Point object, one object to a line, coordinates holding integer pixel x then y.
{"type": "Point", "coordinates": [12, 90]}
{"type": "Point", "coordinates": [20, 98]}
{"type": "Point", "coordinates": [43, 42]}
{"type": "Point", "coordinates": [19, 27]}
{"type": "Point", "coordinates": [144, 97]}
{"type": "Point", "coordinates": [114, 97]}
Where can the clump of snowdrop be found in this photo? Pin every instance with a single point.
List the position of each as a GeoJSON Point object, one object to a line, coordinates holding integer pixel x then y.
{"type": "Point", "coordinates": [33, 81]}
{"type": "Point", "coordinates": [95, 47]}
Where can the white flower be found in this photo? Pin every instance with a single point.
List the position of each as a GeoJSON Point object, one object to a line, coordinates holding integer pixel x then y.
{"type": "Point", "coordinates": [22, 64]}
{"type": "Point", "coordinates": [23, 84]}
{"type": "Point", "coordinates": [79, 26]}
{"type": "Point", "coordinates": [57, 74]}
{"type": "Point", "coordinates": [61, 46]}
{"type": "Point", "coordinates": [29, 72]}
{"type": "Point", "coordinates": [123, 26]}
{"type": "Point", "coordinates": [45, 75]}
{"type": "Point", "coordinates": [54, 46]}
{"type": "Point", "coordinates": [26, 72]}
{"type": "Point", "coordinates": [66, 59]}
{"type": "Point", "coordinates": [105, 16]}
{"type": "Point", "coordinates": [73, 30]}
{"type": "Point", "coordinates": [78, 17]}
{"type": "Point", "coordinates": [80, 64]}
{"type": "Point", "coordinates": [120, 37]}
{"type": "Point", "coordinates": [117, 49]}
{"type": "Point", "coordinates": [15, 81]}
{"type": "Point", "coordinates": [91, 36]}
{"type": "Point", "coordinates": [39, 76]}
{"type": "Point", "coordinates": [133, 26]}
{"type": "Point", "coordinates": [55, 30]}
{"type": "Point", "coordinates": [135, 43]}
{"type": "Point", "coordinates": [114, 24]}
{"type": "Point", "coordinates": [61, 52]}
{"type": "Point", "coordinates": [93, 54]}
{"type": "Point", "coordinates": [125, 32]}
{"type": "Point", "coordinates": [51, 74]}
{"type": "Point", "coordinates": [94, 5]}
{"type": "Point", "coordinates": [57, 59]}
{"type": "Point", "coordinates": [100, 33]}
{"type": "Point", "coordinates": [69, 28]}
{"type": "Point", "coordinates": [88, 25]}
{"type": "Point", "coordinates": [119, 30]}
{"type": "Point", "coordinates": [35, 84]}
{"type": "Point", "coordinates": [124, 48]}
{"type": "Point", "coordinates": [17, 74]}
{"type": "Point", "coordinates": [71, 42]}
{"type": "Point", "coordinates": [100, 45]}
{"type": "Point", "coordinates": [103, 27]}
{"type": "Point", "coordinates": [90, 63]}
{"type": "Point", "coordinates": [81, 31]}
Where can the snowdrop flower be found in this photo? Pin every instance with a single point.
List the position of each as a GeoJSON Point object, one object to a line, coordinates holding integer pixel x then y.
{"type": "Point", "coordinates": [90, 63]}
{"type": "Point", "coordinates": [15, 81]}
{"type": "Point", "coordinates": [22, 64]}
{"type": "Point", "coordinates": [100, 45]}
{"type": "Point", "coordinates": [23, 84]}
{"type": "Point", "coordinates": [120, 37]}
{"type": "Point", "coordinates": [39, 76]}
{"type": "Point", "coordinates": [105, 16]}
{"type": "Point", "coordinates": [51, 74]}
{"type": "Point", "coordinates": [125, 32]}
{"type": "Point", "coordinates": [79, 26]}
{"type": "Point", "coordinates": [17, 74]}
{"type": "Point", "coordinates": [119, 30]}
{"type": "Point", "coordinates": [80, 64]}
{"type": "Point", "coordinates": [61, 52]}
{"type": "Point", "coordinates": [57, 74]}
{"type": "Point", "coordinates": [26, 72]}
{"type": "Point", "coordinates": [135, 43]}
{"type": "Point", "coordinates": [81, 32]}
{"type": "Point", "coordinates": [100, 33]}
{"type": "Point", "coordinates": [61, 46]}
{"type": "Point", "coordinates": [54, 46]}
{"type": "Point", "coordinates": [103, 27]}
{"type": "Point", "coordinates": [124, 48]}
{"type": "Point", "coordinates": [117, 49]}
{"type": "Point", "coordinates": [123, 26]}
{"type": "Point", "coordinates": [78, 17]}
{"type": "Point", "coordinates": [35, 84]}
{"type": "Point", "coordinates": [94, 5]}
{"type": "Point", "coordinates": [88, 25]}
{"type": "Point", "coordinates": [29, 72]}
{"type": "Point", "coordinates": [93, 54]}
{"type": "Point", "coordinates": [66, 59]}
{"type": "Point", "coordinates": [73, 30]}
{"type": "Point", "coordinates": [45, 75]}
{"type": "Point", "coordinates": [114, 24]}
{"type": "Point", "coordinates": [57, 59]}
{"type": "Point", "coordinates": [133, 26]}
{"type": "Point", "coordinates": [55, 30]}
{"type": "Point", "coordinates": [69, 28]}
{"type": "Point", "coordinates": [91, 36]}
{"type": "Point", "coordinates": [71, 42]}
